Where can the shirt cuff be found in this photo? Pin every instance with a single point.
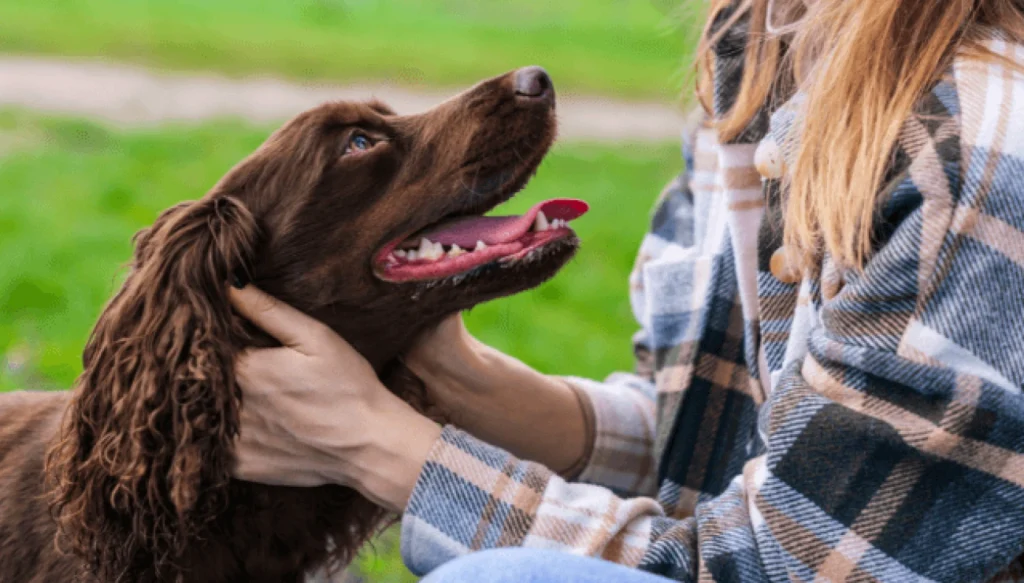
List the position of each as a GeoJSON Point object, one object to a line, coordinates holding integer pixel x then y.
{"type": "Point", "coordinates": [469, 496]}
{"type": "Point", "coordinates": [589, 431]}
{"type": "Point", "coordinates": [622, 455]}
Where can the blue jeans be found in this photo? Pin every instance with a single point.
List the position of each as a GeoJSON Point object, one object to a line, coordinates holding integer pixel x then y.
{"type": "Point", "coordinates": [533, 566]}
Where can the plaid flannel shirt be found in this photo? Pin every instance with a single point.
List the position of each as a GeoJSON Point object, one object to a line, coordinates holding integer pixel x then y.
{"type": "Point", "coordinates": [887, 442]}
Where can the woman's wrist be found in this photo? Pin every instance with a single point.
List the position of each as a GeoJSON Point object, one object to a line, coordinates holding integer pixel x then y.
{"type": "Point", "coordinates": [501, 400]}
{"type": "Point", "coordinates": [496, 397]}
{"type": "Point", "coordinates": [386, 468]}
{"type": "Point", "coordinates": [469, 372]}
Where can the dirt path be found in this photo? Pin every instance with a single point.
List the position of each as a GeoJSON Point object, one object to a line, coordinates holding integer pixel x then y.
{"type": "Point", "coordinates": [130, 95]}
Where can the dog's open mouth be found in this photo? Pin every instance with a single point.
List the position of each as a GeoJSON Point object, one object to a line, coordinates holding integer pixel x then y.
{"type": "Point", "coordinates": [459, 245]}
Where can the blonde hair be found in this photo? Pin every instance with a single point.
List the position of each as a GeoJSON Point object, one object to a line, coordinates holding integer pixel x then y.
{"type": "Point", "coordinates": [862, 64]}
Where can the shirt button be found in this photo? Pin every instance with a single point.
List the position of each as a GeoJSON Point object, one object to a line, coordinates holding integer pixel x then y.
{"type": "Point", "coordinates": [831, 280]}
{"type": "Point", "coordinates": [768, 159]}
{"type": "Point", "coordinates": [782, 269]}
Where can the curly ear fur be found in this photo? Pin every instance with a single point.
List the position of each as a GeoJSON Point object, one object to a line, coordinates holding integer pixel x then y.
{"type": "Point", "coordinates": [144, 458]}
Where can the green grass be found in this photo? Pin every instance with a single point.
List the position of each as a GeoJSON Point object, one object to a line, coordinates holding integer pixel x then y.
{"type": "Point", "coordinates": [633, 48]}
{"type": "Point", "coordinates": [72, 193]}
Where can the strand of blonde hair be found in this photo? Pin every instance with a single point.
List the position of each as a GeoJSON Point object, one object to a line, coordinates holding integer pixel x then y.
{"type": "Point", "coordinates": [862, 67]}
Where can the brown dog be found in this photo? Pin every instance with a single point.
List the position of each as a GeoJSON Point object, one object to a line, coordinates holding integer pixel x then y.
{"type": "Point", "coordinates": [366, 220]}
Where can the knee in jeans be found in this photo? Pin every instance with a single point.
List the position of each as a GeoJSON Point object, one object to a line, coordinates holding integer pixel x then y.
{"type": "Point", "coordinates": [490, 566]}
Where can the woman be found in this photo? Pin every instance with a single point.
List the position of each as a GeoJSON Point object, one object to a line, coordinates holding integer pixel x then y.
{"type": "Point", "coordinates": [830, 378]}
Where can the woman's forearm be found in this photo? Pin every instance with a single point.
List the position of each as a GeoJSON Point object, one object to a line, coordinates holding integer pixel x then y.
{"type": "Point", "coordinates": [499, 400]}
{"type": "Point", "coordinates": [506, 403]}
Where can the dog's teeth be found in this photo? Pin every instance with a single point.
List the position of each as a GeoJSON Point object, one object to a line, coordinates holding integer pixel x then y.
{"type": "Point", "coordinates": [455, 251]}
{"type": "Point", "coordinates": [429, 250]}
{"type": "Point", "coordinates": [541, 222]}
{"type": "Point", "coordinates": [412, 255]}
{"type": "Point", "coordinates": [480, 246]}
{"type": "Point", "coordinates": [400, 253]}
{"type": "Point", "coordinates": [426, 250]}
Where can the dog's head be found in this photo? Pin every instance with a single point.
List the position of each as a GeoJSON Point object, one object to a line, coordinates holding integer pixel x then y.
{"type": "Point", "coordinates": [368, 220]}
{"type": "Point", "coordinates": [372, 221]}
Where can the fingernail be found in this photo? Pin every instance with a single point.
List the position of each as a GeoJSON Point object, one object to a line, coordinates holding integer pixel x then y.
{"type": "Point", "coordinates": [237, 282]}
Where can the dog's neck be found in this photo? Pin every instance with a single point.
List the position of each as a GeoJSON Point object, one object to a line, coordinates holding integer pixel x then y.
{"type": "Point", "coordinates": [380, 340]}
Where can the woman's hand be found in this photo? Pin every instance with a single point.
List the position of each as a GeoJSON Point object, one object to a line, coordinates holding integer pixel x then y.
{"type": "Point", "coordinates": [455, 366]}
{"type": "Point", "coordinates": [314, 411]}
{"type": "Point", "coordinates": [499, 399]}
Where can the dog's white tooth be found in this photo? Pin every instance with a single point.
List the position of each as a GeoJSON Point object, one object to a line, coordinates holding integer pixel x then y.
{"type": "Point", "coordinates": [541, 222]}
{"type": "Point", "coordinates": [431, 254]}
{"type": "Point", "coordinates": [455, 251]}
{"type": "Point", "coordinates": [400, 253]}
{"type": "Point", "coordinates": [412, 255]}
{"type": "Point", "coordinates": [430, 251]}
{"type": "Point", "coordinates": [480, 246]}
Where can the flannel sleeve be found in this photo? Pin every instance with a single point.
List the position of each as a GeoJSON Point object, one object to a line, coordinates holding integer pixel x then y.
{"type": "Point", "coordinates": [622, 410]}
{"type": "Point", "coordinates": [473, 496]}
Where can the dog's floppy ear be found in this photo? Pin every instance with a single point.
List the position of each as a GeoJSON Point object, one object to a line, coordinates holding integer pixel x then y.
{"type": "Point", "coordinates": [145, 453]}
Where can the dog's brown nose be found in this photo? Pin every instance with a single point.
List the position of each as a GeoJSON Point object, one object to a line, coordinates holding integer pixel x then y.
{"type": "Point", "coordinates": [534, 83]}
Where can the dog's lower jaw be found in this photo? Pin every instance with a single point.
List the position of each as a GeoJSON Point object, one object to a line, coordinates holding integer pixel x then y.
{"type": "Point", "coordinates": [428, 303]}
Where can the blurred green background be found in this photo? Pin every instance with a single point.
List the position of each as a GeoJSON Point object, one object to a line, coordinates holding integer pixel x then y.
{"type": "Point", "coordinates": [614, 47]}
{"type": "Point", "coordinates": [73, 191]}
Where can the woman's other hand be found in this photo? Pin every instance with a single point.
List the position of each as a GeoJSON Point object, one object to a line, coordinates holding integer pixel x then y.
{"type": "Point", "coordinates": [455, 367]}
{"type": "Point", "coordinates": [499, 399]}
{"type": "Point", "coordinates": [314, 411]}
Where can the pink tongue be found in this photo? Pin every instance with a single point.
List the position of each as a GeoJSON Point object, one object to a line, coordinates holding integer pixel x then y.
{"type": "Point", "coordinates": [495, 230]}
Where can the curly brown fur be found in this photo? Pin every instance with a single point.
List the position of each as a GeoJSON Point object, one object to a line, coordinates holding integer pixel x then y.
{"type": "Point", "coordinates": [145, 454]}
{"type": "Point", "coordinates": [138, 470]}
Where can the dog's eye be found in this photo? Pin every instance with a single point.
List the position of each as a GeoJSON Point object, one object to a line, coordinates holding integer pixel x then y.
{"type": "Point", "coordinates": [358, 143]}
